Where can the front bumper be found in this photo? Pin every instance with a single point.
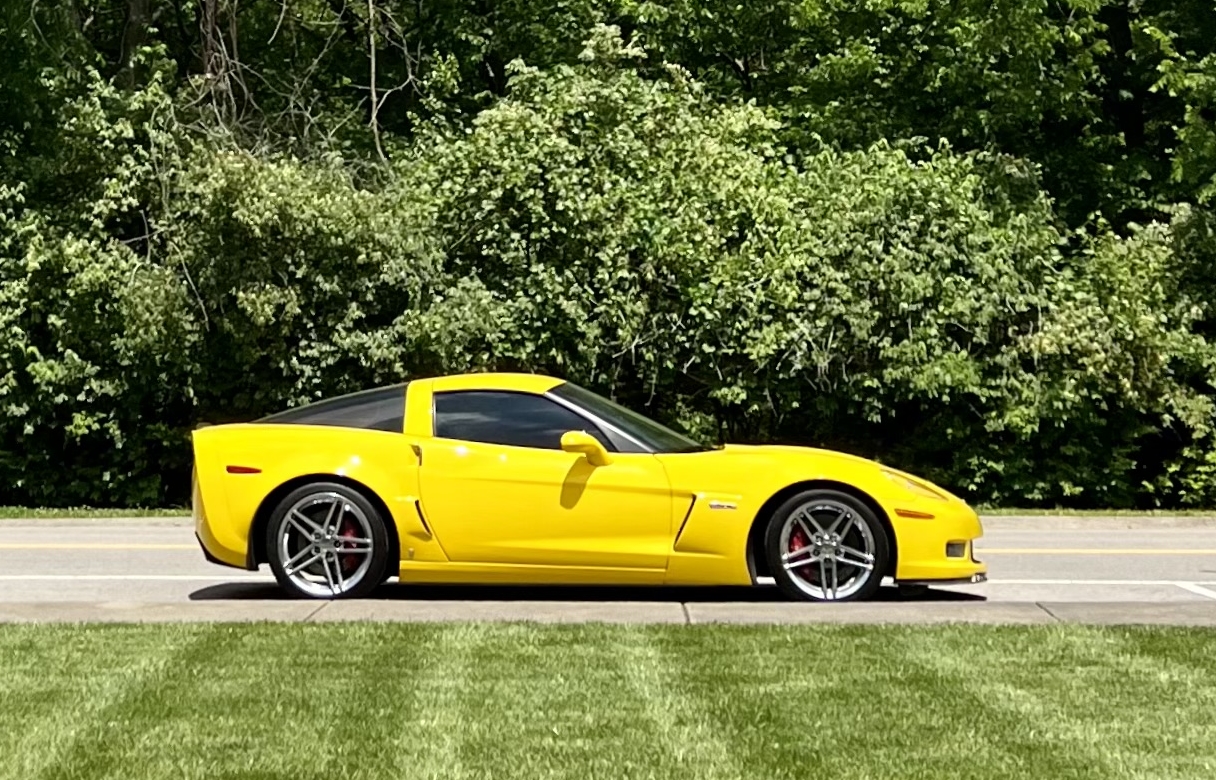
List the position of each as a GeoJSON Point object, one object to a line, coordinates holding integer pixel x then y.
{"type": "Point", "coordinates": [927, 549]}
{"type": "Point", "coordinates": [974, 579]}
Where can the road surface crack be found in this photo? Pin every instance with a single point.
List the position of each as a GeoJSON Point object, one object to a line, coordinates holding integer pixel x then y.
{"type": "Point", "coordinates": [315, 612]}
{"type": "Point", "coordinates": [1050, 614]}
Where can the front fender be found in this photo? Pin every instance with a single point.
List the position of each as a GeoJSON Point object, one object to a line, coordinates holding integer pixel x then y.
{"type": "Point", "coordinates": [730, 490]}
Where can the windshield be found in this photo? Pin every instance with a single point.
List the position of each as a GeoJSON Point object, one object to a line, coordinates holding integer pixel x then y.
{"type": "Point", "coordinates": [655, 437]}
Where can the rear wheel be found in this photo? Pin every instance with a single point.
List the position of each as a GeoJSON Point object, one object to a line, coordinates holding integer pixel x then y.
{"type": "Point", "coordinates": [327, 541]}
{"type": "Point", "coordinates": [825, 545]}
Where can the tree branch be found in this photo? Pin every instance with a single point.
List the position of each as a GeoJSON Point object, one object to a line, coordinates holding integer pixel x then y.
{"type": "Point", "coordinates": [371, 51]}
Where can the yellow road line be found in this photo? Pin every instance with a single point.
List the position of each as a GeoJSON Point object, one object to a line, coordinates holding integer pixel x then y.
{"type": "Point", "coordinates": [1087, 551]}
{"type": "Point", "coordinates": [98, 546]}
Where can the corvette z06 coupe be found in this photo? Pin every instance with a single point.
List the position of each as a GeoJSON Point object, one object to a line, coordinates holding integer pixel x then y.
{"type": "Point", "coordinates": [526, 479]}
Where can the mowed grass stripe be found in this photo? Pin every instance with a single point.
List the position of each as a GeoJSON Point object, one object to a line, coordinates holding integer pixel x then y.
{"type": "Point", "coordinates": [290, 702]}
{"type": "Point", "coordinates": [1167, 709]}
{"type": "Point", "coordinates": [1101, 697]}
{"type": "Point", "coordinates": [833, 701]}
{"type": "Point", "coordinates": [123, 730]}
{"type": "Point", "coordinates": [691, 740]}
{"type": "Point", "coordinates": [49, 697]}
{"type": "Point", "coordinates": [943, 702]}
{"type": "Point", "coordinates": [1024, 727]}
{"type": "Point", "coordinates": [502, 700]}
{"type": "Point", "coordinates": [427, 733]}
{"type": "Point", "coordinates": [556, 702]}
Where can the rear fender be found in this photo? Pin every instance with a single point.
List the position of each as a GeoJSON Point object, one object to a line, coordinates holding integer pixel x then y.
{"type": "Point", "coordinates": [240, 467]}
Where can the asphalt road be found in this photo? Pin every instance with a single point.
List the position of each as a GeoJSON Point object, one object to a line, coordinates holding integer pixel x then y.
{"type": "Point", "coordinates": [1041, 570]}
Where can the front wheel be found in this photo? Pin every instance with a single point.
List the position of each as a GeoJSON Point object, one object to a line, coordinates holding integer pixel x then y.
{"type": "Point", "coordinates": [327, 541]}
{"type": "Point", "coordinates": [825, 545]}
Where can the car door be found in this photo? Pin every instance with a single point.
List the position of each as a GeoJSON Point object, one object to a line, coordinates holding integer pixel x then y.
{"type": "Point", "coordinates": [498, 488]}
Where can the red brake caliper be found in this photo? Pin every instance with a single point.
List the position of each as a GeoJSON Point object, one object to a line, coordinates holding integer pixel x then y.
{"type": "Point", "coordinates": [349, 528]}
{"type": "Point", "coordinates": [798, 540]}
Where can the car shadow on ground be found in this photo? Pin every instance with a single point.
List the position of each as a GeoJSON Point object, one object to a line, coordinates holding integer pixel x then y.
{"type": "Point", "coordinates": [394, 591]}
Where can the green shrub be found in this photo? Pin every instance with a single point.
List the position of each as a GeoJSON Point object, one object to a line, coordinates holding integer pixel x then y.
{"type": "Point", "coordinates": [622, 230]}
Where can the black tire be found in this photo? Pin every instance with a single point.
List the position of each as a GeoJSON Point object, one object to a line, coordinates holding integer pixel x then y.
{"type": "Point", "coordinates": [864, 534]}
{"type": "Point", "coordinates": [356, 519]}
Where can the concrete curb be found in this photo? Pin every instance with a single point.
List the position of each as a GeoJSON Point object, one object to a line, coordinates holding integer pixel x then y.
{"type": "Point", "coordinates": [1095, 522]}
{"type": "Point", "coordinates": [691, 613]}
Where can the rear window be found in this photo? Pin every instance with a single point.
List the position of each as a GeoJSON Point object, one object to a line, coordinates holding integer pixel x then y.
{"type": "Point", "coordinates": [380, 409]}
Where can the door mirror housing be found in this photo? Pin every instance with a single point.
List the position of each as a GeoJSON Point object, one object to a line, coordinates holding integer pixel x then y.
{"type": "Point", "coordinates": [585, 443]}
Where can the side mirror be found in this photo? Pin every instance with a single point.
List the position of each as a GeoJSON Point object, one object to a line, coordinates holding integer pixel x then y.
{"type": "Point", "coordinates": [581, 441]}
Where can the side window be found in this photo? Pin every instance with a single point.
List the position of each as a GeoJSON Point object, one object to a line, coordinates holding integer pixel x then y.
{"type": "Point", "coordinates": [380, 409]}
{"type": "Point", "coordinates": [515, 419]}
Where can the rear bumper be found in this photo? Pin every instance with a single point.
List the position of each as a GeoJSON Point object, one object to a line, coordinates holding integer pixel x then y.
{"type": "Point", "coordinates": [213, 550]}
{"type": "Point", "coordinates": [211, 558]}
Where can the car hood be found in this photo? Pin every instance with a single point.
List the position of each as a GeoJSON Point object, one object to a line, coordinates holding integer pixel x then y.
{"type": "Point", "coordinates": [784, 451]}
{"type": "Point", "coordinates": [813, 463]}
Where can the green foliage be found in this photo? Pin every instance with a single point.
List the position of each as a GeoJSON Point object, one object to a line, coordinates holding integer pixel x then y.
{"type": "Point", "coordinates": [1012, 75]}
{"type": "Point", "coordinates": [917, 306]}
{"type": "Point", "coordinates": [730, 219]}
{"type": "Point", "coordinates": [91, 368]}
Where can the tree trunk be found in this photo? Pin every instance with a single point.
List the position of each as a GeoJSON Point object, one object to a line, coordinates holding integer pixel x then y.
{"type": "Point", "coordinates": [209, 32]}
{"type": "Point", "coordinates": [134, 35]}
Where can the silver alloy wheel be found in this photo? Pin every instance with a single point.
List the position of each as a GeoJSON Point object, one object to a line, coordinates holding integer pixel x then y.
{"type": "Point", "coordinates": [827, 552]}
{"type": "Point", "coordinates": [325, 544]}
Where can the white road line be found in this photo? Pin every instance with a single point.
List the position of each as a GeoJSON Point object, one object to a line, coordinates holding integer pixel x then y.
{"type": "Point", "coordinates": [129, 577]}
{"type": "Point", "coordinates": [1197, 589]}
{"type": "Point", "coordinates": [1086, 582]}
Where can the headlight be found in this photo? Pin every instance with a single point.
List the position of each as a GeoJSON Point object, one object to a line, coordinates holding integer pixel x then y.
{"type": "Point", "coordinates": [911, 485]}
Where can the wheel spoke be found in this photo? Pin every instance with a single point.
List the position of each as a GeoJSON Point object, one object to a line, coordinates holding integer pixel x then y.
{"type": "Point", "coordinates": [848, 525]}
{"type": "Point", "coordinates": [818, 528]}
{"type": "Point", "coordinates": [823, 577]}
{"type": "Point", "coordinates": [329, 577]}
{"type": "Point", "coordinates": [861, 564]}
{"type": "Point", "coordinates": [304, 524]}
{"type": "Point", "coordinates": [840, 515]}
{"type": "Point", "coordinates": [290, 572]}
{"type": "Point", "coordinates": [339, 577]}
{"type": "Point", "coordinates": [355, 540]}
{"type": "Point", "coordinates": [334, 517]}
{"type": "Point", "coordinates": [807, 548]}
{"type": "Point", "coordinates": [803, 562]}
{"type": "Point", "coordinates": [865, 556]}
{"type": "Point", "coordinates": [301, 555]}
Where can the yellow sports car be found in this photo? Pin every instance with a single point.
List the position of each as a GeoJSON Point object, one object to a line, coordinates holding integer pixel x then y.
{"type": "Point", "coordinates": [519, 478]}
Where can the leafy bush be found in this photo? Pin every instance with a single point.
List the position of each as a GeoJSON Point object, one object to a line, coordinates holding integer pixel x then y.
{"type": "Point", "coordinates": [918, 305]}
{"type": "Point", "coordinates": [622, 229]}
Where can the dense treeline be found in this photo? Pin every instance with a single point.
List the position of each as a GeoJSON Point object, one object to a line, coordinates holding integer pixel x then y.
{"type": "Point", "coordinates": [974, 239]}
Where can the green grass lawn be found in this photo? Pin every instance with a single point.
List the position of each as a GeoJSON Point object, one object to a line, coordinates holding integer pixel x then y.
{"type": "Point", "coordinates": [84, 513]}
{"type": "Point", "coordinates": [591, 702]}
{"type": "Point", "coordinates": [1007, 511]}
